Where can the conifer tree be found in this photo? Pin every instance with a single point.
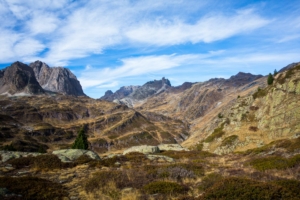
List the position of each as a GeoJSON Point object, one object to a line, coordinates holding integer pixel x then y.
{"type": "Point", "coordinates": [270, 79]}
{"type": "Point", "coordinates": [275, 72]}
{"type": "Point", "coordinates": [81, 141]}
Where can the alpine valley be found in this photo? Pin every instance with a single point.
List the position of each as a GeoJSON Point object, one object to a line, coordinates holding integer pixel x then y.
{"type": "Point", "coordinates": [235, 138]}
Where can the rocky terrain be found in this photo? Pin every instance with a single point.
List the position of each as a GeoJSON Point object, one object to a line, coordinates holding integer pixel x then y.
{"type": "Point", "coordinates": [235, 138]}
{"type": "Point", "coordinates": [56, 79]}
{"type": "Point", "coordinates": [19, 79]}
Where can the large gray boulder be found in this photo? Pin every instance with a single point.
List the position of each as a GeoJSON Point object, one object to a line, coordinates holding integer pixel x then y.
{"type": "Point", "coordinates": [171, 147]}
{"type": "Point", "coordinates": [56, 79]}
{"type": "Point", "coordinates": [69, 155]}
{"type": "Point", "coordinates": [7, 155]}
{"type": "Point", "coordinates": [145, 149]}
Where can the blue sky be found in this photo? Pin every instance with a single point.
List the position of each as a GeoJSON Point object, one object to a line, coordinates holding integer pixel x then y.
{"type": "Point", "coordinates": [112, 43]}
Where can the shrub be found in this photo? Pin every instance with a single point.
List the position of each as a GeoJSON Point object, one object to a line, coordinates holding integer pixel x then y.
{"type": "Point", "coordinates": [253, 128]}
{"type": "Point", "coordinates": [83, 159]}
{"type": "Point", "coordinates": [209, 180]}
{"type": "Point", "coordinates": [33, 187]}
{"type": "Point", "coordinates": [274, 162]}
{"type": "Point", "coordinates": [166, 188]}
{"type": "Point", "coordinates": [9, 148]}
{"type": "Point", "coordinates": [50, 162]}
{"type": "Point", "coordinates": [22, 162]}
{"type": "Point", "coordinates": [188, 154]}
{"type": "Point", "coordinates": [241, 188]}
{"type": "Point", "coordinates": [228, 141]}
{"type": "Point", "coordinates": [217, 133]}
{"type": "Point", "coordinates": [260, 93]}
{"type": "Point", "coordinates": [81, 141]}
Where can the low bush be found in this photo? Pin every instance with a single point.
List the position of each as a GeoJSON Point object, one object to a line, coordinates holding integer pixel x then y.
{"type": "Point", "coordinates": [188, 154]}
{"type": "Point", "coordinates": [274, 162]}
{"type": "Point", "coordinates": [164, 187]}
{"type": "Point", "coordinates": [260, 93]}
{"type": "Point", "coordinates": [217, 133]}
{"type": "Point", "coordinates": [33, 188]}
{"type": "Point", "coordinates": [22, 162]}
{"type": "Point", "coordinates": [209, 180]}
{"type": "Point", "coordinates": [228, 141]}
{"type": "Point", "coordinates": [42, 162]}
{"type": "Point", "coordinates": [242, 188]}
{"type": "Point", "coordinates": [253, 128]}
{"type": "Point", "coordinates": [174, 171]}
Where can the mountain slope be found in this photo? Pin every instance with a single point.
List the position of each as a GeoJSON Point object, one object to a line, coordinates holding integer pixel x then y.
{"type": "Point", "coordinates": [270, 113]}
{"type": "Point", "coordinates": [56, 79]}
{"type": "Point", "coordinates": [19, 79]}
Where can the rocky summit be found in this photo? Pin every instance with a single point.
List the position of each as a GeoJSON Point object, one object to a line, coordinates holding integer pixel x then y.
{"type": "Point", "coordinates": [235, 138]}
{"type": "Point", "coordinates": [56, 79]}
{"type": "Point", "coordinates": [19, 79]}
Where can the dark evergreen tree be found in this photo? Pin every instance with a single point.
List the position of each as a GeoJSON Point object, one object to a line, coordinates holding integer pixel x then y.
{"type": "Point", "coordinates": [275, 72]}
{"type": "Point", "coordinates": [270, 79]}
{"type": "Point", "coordinates": [81, 141]}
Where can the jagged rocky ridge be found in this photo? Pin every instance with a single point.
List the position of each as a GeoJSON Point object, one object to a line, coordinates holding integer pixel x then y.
{"type": "Point", "coordinates": [19, 78]}
{"type": "Point", "coordinates": [56, 79]}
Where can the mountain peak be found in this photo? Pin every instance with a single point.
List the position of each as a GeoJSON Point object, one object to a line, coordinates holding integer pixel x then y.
{"type": "Point", "coordinates": [19, 78]}
{"type": "Point", "coordinates": [56, 79]}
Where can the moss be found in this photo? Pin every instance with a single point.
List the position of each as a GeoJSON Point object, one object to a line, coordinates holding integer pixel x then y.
{"type": "Point", "coordinates": [274, 162]}
{"type": "Point", "coordinates": [228, 141]}
{"type": "Point", "coordinates": [260, 93]}
{"type": "Point", "coordinates": [166, 188]}
{"type": "Point", "coordinates": [33, 188]}
{"type": "Point", "coordinates": [217, 133]}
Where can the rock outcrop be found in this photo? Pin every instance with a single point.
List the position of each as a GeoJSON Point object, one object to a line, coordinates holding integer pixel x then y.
{"type": "Point", "coordinates": [120, 93]}
{"type": "Point", "coordinates": [145, 149]}
{"type": "Point", "coordinates": [171, 147]}
{"type": "Point", "coordinates": [69, 155]}
{"type": "Point", "coordinates": [130, 95]}
{"type": "Point", "coordinates": [56, 79]}
{"type": "Point", "coordinates": [19, 78]}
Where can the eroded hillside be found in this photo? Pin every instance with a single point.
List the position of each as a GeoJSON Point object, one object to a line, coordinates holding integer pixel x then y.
{"type": "Point", "coordinates": [52, 121]}
{"type": "Point", "coordinates": [271, 113]}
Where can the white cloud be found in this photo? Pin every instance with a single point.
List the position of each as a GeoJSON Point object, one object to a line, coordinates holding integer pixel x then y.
{"type": "Point", "coordinates": [109, 85]}
{"type": "Point", "coordinates": [135, 66]}
{"type": "Point", "coordinates": [207, 29]}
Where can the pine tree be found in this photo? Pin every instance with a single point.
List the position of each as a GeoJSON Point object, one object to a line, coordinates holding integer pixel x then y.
{"type": "Point", "coordinates": [81, 141]}
{"type": "Point", "coordinates": [270, 79]}
{"type": "Point", "coordinates": [275, 72]}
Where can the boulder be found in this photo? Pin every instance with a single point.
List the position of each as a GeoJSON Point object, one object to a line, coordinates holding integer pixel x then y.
{"type": "Point", "coordinates": [7, 155]}
{"type": "Point", "coordinates": [69, 155]}
{"type": "Point", "coordinates": [160, 158]}
{"type": "Point", "coordinates": [145, 149]}
{"type": "Point", "coordinates": [171, 147]}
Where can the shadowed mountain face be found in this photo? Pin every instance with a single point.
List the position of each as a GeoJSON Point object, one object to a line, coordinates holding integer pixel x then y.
{"type": "Point", "coordinates": [57, 79]}
{"type": "Point", "coordinates": [19, 78]}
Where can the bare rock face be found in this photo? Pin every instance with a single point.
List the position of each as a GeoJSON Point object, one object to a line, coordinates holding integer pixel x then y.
{"type": "Point", "coordinates": [57, 79]}
{"type": "Point", "coordinates": [19, 78]}
{"type": "Point", "coordinates": [119, 94]}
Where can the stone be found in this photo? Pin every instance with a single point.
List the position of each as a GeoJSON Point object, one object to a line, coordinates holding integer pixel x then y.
{"type": "Point", "coordinates": [160, 158]}
{"type": "Point", "coordinates": [145, 149]}
{"type": "Point", "coordinates": [69, 155]}
{"type": "Point", "coordinates": [171, 147]}
{"type": "Point", "coordinates": [7, 155]}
